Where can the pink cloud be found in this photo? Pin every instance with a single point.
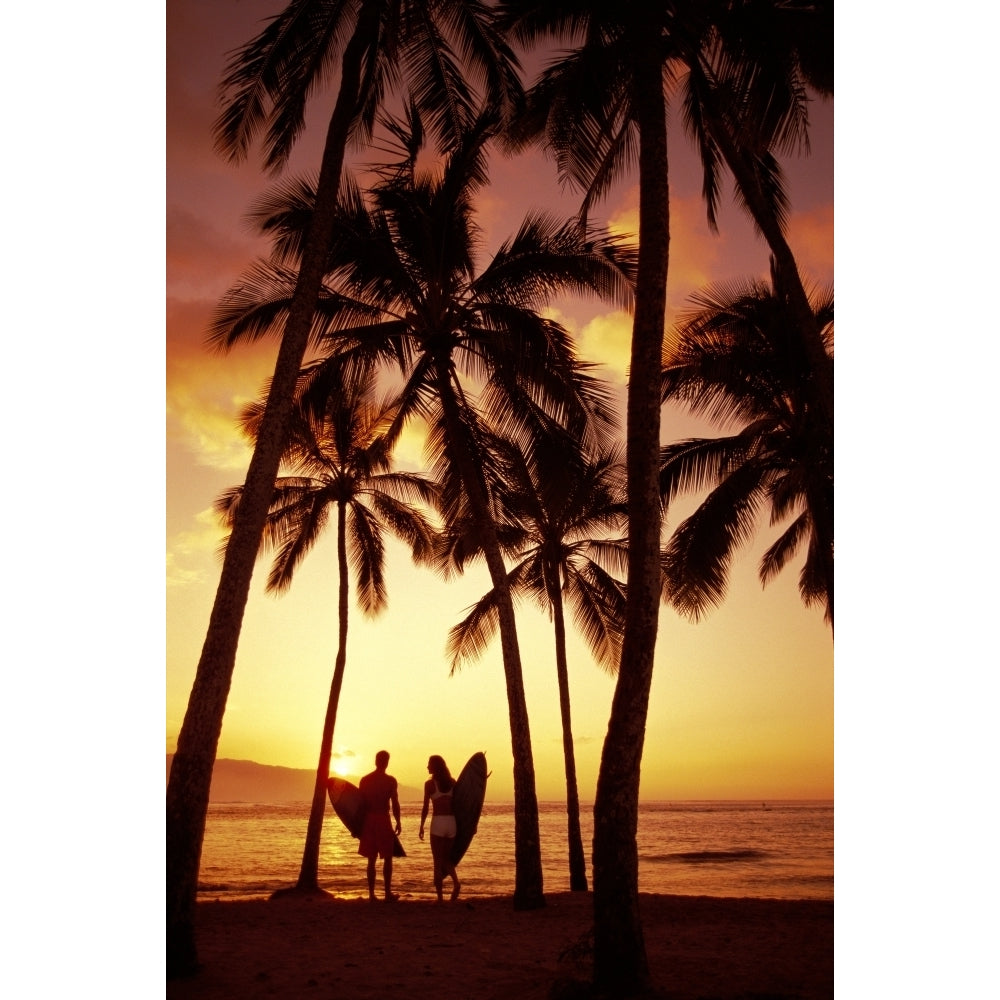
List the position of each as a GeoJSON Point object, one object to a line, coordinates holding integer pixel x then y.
{"type": "Point", "coordinates": [811, 237]}
{"type": "Point", "coordinates": [202, 260]}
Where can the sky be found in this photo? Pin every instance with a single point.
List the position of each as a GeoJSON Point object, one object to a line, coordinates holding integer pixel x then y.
{"type": "Point", "coordinates": [741, 703]}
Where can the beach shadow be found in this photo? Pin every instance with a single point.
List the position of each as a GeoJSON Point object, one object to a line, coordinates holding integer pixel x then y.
{"type": "Point", "coordinates": [301, 892]}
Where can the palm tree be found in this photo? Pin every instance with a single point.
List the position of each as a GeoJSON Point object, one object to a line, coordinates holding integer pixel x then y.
{"type": "Point", "coordinates": [602, 109]}
{"type": "Point", "coordinates": [265, 90]}
{"type": "Point", "coordinates": [740, 359]}
{"type": "Point", "coordinates": [404, 291]}
{"type": "Point", "coordinates": [559, 508]}
{"type": "Point", "coordinates": [343, 467]}
{"type": "Point", "coordinates": [747, 98]}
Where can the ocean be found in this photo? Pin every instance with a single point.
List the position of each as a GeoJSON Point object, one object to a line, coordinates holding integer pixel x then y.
{"type": "Point", "coordinates": [768, 850]}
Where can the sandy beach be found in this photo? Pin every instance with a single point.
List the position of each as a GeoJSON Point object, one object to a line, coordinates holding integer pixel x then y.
{"type": "Point", "coordinates": [698, 948]}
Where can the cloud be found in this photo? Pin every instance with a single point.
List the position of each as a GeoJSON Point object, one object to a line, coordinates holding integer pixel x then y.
{"type": "Point", "coordinates": [189, 548]}
{"type": "Point", "coordinates": [179, 576]}
{"type": "Point", "coordinates": [202, 261]}
{"type": "Point", "coordinates": [810, 235]}
{"type": "Point", "coordinates": [187, 326]}
{"type": "Point", "coordinates": [695, 252]}
{"type": "Point", "coordinates": [409, 452]}
{"type": "Point", "coordinates": [204, 399]}
{"type": "Point", "coordinates": [607, 340]}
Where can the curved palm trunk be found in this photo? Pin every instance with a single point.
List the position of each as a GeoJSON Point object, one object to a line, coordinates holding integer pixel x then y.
{"type": "Point", "coordinates": [309, 872]}
{"type": "Point", "coordinates": [620, 964]}
{"type": "Point", "coordinates": [822, 516]}
{"type": "Point", "coordinates": [191, 772]}
{"type": "Point", "coordinates": [788, 281]}
{"type": "Point", "coordinates": [577, 862]}
{"type": "Point", "coordinates": [528, 891]}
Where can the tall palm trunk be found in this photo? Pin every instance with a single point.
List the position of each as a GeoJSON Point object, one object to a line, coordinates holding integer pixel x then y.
{"type": "Point", "coordinates": [197, 743]}
{"type": "Point", "coordinates": [577, 861]}
{"type": "Point", "coordinates": [528, 889]}
{"type": "Point", "coordinates": [620, 964]}
{"type": "Point", "coordinates": [309, 872]}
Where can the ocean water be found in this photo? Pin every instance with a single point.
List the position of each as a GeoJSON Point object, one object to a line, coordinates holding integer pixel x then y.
{"type": "Point", "coordinates": [774, 850]}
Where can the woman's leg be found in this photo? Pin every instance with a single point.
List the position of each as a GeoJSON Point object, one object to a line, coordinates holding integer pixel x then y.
{"type": "Point", "coordinates": [440, 846]}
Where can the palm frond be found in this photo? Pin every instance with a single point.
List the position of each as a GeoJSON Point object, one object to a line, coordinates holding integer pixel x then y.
{"type": "Point", "coordinates": [697, 464]}
{"type": "Point", "coordinates": [784, 548]}
{"type": "Point", "coordinates": [407, 523]}
{"type": "Point", "coordinates": [698, 555]}
{"type": "Point", "coordinates": [546, 257]}
{"type": "Point", "coordinates": [597, 603]}
{"type": "Point", "coordinates": [267, 80]}
{"type": "Point", "coordinates": [366, 557]}
{"type": "Point", "coordinates": [294, 533]}
{"type": "Point", "coordinates": [258, 306]}
{"type": "Point", "coordinates": [471, 637]}
{"type": "Point", "coordinates": [692, 107]}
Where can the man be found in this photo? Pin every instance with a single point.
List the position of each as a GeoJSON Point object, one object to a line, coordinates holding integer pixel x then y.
{"type": "Point", "coordinates": [380, 791]}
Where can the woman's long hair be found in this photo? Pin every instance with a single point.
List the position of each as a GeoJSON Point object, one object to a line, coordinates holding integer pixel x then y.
{"type": "Point", "coordinates": [441, 774]}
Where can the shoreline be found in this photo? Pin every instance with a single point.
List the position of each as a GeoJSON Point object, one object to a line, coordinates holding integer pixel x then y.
{"type": "Point", "coordinates": [697, 946]}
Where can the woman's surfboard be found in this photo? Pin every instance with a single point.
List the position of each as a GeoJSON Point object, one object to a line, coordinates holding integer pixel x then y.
{"type": "Point", "coordinates": [349, 805]}
{"type": "Point", "coordinates": [467, 804]}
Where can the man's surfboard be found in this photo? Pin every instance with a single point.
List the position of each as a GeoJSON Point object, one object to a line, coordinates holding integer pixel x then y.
{"type": "Point", "coordinates": [467, 804]}
{"type": "Point", "coordinates": [349, 805]}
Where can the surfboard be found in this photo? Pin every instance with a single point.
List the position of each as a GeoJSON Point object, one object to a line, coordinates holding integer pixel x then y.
{"type": "Point", "coordinates": [349, 805]}
{"type": "Point", "coordinates": [467, 803]}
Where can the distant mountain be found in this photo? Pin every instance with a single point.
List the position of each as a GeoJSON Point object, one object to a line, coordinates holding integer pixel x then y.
{"type": "Point", "coordinates": [248, 781]}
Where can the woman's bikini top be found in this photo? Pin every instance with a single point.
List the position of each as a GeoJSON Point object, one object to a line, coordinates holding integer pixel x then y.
{"type": "Point", "coordinates": [441, 800]}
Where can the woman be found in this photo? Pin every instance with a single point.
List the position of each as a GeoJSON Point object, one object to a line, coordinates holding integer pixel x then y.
{"type": "Point", "coordinates": [437, 792]}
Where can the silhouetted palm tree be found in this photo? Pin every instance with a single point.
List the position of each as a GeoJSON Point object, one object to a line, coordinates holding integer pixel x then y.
{"type": "Point", "coordinates": [404, 292]}
{"type": "Point", "coordinates": [603, 109]}
{"type": "Point", "coordinates": [747, 99]}
{"type": "Point", "coordinates": [343, 468]}
{"type": "Point", "coordinates": [430, 43]}
{"type": "Point", "coordinates": [561, 512]}
{"type": "Point", "coordinates": [740, 359]}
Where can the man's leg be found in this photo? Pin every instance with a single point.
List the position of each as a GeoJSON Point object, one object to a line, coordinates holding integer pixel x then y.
{"type": "Point", "coordinates": [371, 877]}
{"type": "Point", "coordinates": [387, 877]}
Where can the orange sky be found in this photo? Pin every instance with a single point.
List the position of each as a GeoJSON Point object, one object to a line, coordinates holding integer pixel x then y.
{"type": "Point", "coordinates": [741, 704]}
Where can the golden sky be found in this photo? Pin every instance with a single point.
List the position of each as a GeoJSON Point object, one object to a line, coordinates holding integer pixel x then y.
{"type": "Point", "coordinates": [741, 703]}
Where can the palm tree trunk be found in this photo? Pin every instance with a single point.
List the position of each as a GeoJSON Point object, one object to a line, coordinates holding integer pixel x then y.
{"type": "Point", "coordinates": [788, 286]}
{"type": "Point", "coordinates": [577, 861]}
{"type": "Point", "coordinates": [620, 964]}
{"type": "Point", "coordinates": [528, 887]}
{"type": "Point", "coordinates": [197, 743]}
{"type": "Point", "coordinates": [821, 511]}
{"type": "Point", "coordinates": [309, 872]}
{"type": "Point", "coordinates": [787, 280]}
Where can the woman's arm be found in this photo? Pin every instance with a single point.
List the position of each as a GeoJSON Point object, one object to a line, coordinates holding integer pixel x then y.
{"type": "Point", "coordinates": [423, 811]}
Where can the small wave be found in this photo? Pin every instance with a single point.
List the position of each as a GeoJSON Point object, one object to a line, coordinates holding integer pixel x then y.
{"type": "Point", "coordinates": [702, 857]}
{"type": "Point", "coordinates": [812, 879]}
{"type": "Point", "coordinates": [241, 887]}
